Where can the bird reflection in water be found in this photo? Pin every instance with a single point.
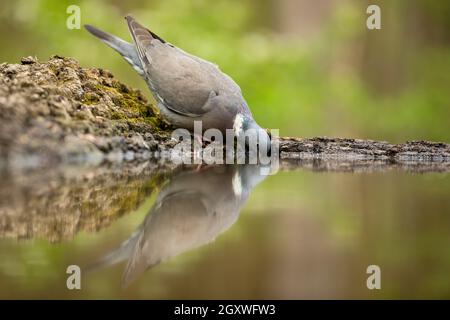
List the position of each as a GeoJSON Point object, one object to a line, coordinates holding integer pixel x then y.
{"type": "Point", "coordinates": [191, 210]}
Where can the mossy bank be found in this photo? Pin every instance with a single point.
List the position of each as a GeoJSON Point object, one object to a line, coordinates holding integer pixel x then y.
{"type": "Point", "coordinates": [57, 111]}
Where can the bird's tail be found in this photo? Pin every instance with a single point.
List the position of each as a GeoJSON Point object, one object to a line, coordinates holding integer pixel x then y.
{"type": "Point", "coordinates": [125, 49]}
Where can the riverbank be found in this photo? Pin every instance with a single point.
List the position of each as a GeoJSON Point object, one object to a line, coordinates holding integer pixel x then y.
{"type": "Point", "coordinates": [57, 112]}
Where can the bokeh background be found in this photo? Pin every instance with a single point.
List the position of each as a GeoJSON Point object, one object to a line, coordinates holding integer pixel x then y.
{"type": "Point", "coordinates": [309, 68]}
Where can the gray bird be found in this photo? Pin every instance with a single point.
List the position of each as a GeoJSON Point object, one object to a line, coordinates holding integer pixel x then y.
{"type": "Point", "coordinates": [191, 210]}
{"type": "Point", "coordinates": [186, 88]}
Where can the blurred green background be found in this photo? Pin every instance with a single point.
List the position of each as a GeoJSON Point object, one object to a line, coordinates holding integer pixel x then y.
{"type": "Point", "coordinates": [309, 68]}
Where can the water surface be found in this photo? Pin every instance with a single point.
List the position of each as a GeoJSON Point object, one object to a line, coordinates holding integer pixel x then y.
{"type": "Point", "coordinates": [224, 232]}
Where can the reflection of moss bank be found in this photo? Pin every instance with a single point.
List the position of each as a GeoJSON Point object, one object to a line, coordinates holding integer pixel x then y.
{"type": "Point", "coordinates": [56, 205]}
{"type": "Point", "coordinates": [58, 110]}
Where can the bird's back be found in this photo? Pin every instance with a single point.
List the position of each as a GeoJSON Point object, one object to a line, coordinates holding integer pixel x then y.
{"type": "Point", "coordinates": [183, 81]}
{"type": "Point", "coordinates": [180, 81]}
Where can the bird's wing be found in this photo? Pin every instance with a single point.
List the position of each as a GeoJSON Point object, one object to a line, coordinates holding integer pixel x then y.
{"type": "Point", "coordinates": [183, 83]}
{"type": "Point", "coordinates": [137, 263]}
{"type": "Point", "coordinates": [142, 38]}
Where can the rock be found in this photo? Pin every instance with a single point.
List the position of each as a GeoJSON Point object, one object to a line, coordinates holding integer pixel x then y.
{"type": "Point", "coordinates": [345, 150]}
{"type": "Point", "coordinates": [28, 60]}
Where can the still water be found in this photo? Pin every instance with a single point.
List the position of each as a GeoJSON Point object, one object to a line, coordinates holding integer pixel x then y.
{"type": "Point", "coordinates": [147, 231]}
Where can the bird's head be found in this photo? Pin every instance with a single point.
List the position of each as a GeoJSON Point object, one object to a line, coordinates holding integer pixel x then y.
{"type": "Point", "coordinates": [249, 132]}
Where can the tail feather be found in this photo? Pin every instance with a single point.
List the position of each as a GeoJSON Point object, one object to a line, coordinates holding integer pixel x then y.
{"type": "Point", "coordinates": [122, 253]}
{"type": "Point", "coordinates": [125, 49]}
{"type": "Point", "coordinates": [142, 37]}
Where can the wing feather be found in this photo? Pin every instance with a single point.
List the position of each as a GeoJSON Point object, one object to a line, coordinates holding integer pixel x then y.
{"type": "Point", "coordinates": [183, 83]}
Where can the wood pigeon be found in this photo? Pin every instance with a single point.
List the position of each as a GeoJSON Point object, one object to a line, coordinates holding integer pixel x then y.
{"type": "Point", "coordinates": [186, 88]}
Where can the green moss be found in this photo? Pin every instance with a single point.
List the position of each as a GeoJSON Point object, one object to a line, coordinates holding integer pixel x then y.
{"type": "Point", "coordinates": [90, 98]}
{"type": "Point", "coordinates": [133, 106]}
{"type": "Point", "coordinates": [115, 115]}
{"type": "Point", "coordinates": [53, 68]}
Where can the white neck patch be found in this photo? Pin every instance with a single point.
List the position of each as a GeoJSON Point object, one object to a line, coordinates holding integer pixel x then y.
{"type": "Point", "coordinates": [237, 184]}
{"type": "Point", "coordinates": [238, 123]}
